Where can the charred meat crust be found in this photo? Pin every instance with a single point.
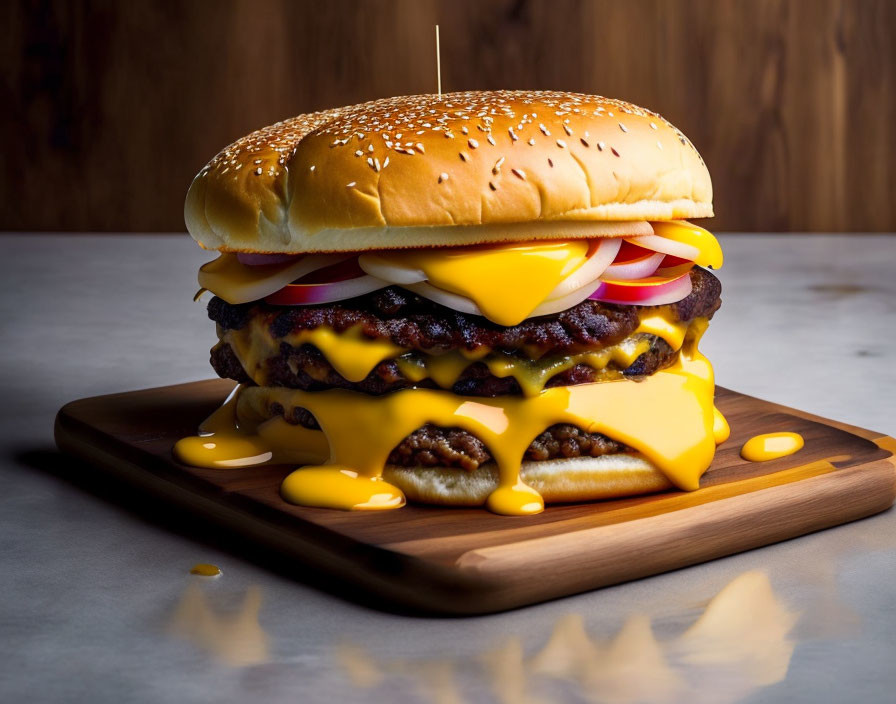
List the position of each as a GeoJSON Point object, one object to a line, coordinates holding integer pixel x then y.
{"type": "Point", "coordinates": [306, 368]}
{"type": "Point", "coordinates": [417, 323]}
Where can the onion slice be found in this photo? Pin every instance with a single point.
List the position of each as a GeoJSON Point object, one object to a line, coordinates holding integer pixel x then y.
{"type": "Point", "coordinates": [376, 266]}
{"type": "Point", "coordinates": [445, 298]}
{"type": "Point", "coordinates": [653, 291]}
{"type": "Point", "coordinates": [601, 254]}
{"type": "Point", "coordinates": [310, 294]}
{"type": "Point", "coordinates": [639, 268]}
{"type": "Point", "coordinates": [239, 283]}
{"type": "Point", "coordinates": [666, 246]}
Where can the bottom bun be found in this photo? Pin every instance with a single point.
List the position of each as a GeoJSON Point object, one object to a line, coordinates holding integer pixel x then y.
{"type": "Point", "coordinates": [561, 480]}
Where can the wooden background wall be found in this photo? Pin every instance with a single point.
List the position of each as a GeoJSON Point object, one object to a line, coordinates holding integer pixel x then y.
{"type": "Point", "coordinates": [110, 107]}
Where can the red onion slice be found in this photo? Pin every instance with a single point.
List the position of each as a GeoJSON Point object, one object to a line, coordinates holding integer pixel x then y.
{"type": "Point", "coordinates": [311, 294]}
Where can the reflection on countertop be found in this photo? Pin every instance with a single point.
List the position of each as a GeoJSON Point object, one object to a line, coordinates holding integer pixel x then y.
{"type": "Point", "coordinates": [234, 638]}
{"type": "Point", "coordinates": [740, 642]}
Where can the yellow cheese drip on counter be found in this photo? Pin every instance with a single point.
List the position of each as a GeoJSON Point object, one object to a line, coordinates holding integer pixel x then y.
{"type": "Point", "coordinates": [506, 281]}
{"type": "Point", "coordinates": [203, 569]}
{"type": "Point", "coordinates": [771, 446]}
{"type": "Point", "coordinates": [667, 417]}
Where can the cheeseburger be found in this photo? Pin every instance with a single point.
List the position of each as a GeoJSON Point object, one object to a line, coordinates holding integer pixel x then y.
{"type": "Point", "coordinates": [481, 298]}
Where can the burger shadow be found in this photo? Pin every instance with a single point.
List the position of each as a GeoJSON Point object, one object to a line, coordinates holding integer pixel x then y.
{"type": "Point", "coordinates": [116, 493]}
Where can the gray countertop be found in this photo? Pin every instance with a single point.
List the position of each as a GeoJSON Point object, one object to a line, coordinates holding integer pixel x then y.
{"type": "Point", "coordinates": [96, 603]}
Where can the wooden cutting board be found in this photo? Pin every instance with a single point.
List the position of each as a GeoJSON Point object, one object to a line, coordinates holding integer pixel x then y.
{"type": "Point", "coordinates": [466, 561]}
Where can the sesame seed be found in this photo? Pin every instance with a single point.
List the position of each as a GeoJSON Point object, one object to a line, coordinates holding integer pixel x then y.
{"type": "Point", "coordinates": [544, 130]}
{"type": "Point", "coordinates": [359, 153]}
{"type": "Point", "coordinates": [512, 134]}
{"type": "Point", "coordinates": [615, 153]}
{"type": "Point", "coordinates": [463, 156]}
{"type": "Point", "coordinates": [567, 130]}
{"type": "Point", "coordinates": [551, 163]}
{"type": "Point", "coordinates": [497, 167]}
{"type": "Point", "coordinates": [491, 140]}
{"type": "Point", "coordinates": [370, 147]}
{"type": "Point", "coordinates": [386, 162]}
{"type": "Point", "coordinates": [419, 147]}
{"type": "Point", "coordinates": [313, 167]}
{"type": "Point", "coordinates": [584, 141]}
{"type": "Point", "coordinates": [473, 143]}
{"type": "Point", "coordinates": [492, 186]}
{"type": "Point", "coordinates": [258, 171]}
{"type": "Point", "coordinates": [652, 126]}
{"type": "Point", "coordinates": [443, 177]}
{"type": "Point", "coordinates": [623, 127]}
{"type": "Point", "coordinates": [351, 185]}
{"type": "Point", "coordinates": [561, 144]}
{"type": "Point", "coordinates": [257, 161]}
{"type": "Point", "coordinates": [519, 173]}
{"type": "Point", "coordinates": [531, 142]}
{"type": "Point", "coordinates": [464, 129]}
{"type": "Point", "coordinates": [600, 146]}
{"type": "Point", "coordinates": [659, 144]}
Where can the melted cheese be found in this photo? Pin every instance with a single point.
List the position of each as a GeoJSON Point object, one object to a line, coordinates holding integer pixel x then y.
{"type": "Point", "coordinates": [507, 281]}
{"type": "Point", "coordinates": [668, 418]}
{"type": "Point", "coordinates": [720, 428]}
{"type": "Point", "coordinates": [707, 246]}
{"type": "Point", "coordinates": [350, 352]}
{"type": "Point", "coordinates": [771, 446]}
{"type": "Point", "coordinates": [531, 374]}
{"type": "Point", "coordinates": [238, 283]}
{"type": "Point", "coordinates": [663, 324]}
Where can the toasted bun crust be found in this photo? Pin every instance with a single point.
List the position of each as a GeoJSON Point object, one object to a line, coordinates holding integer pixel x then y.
{"type": "Point", "coordinates": [407, 171]}
{"type": "Point", "coordinates": [562, 480]}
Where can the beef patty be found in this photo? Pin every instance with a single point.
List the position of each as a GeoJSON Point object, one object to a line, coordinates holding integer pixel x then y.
{"type": "Point", "coordinates": [413, 322]}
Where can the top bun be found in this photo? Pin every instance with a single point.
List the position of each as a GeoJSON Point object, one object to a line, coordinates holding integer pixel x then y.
{"type": "Point", "coordinates": [407, 171]}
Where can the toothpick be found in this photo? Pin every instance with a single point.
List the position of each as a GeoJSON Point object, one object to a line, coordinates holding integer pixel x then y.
{"type": "Point", "coordinates": [438, 63]}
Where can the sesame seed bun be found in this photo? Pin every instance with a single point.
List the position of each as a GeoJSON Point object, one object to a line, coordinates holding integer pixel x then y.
{"type": "Point", "coordinates": [558, 481]}
{"type": "Point", "coordinates": [423, 171]}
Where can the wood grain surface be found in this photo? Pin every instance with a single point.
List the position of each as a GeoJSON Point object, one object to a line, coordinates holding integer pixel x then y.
{"type": "Point", "coordinates": [111, 107]}
{"type": "Point", "coordinates": [467, 561]}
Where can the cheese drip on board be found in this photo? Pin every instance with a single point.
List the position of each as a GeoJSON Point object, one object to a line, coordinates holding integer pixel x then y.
{"type": "Point", "coordinates": [771, 446]}
{"type": "Point", "coordinates": [668, 418]}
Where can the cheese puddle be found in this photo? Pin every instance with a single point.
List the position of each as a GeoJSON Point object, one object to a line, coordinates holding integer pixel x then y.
{"type": "Point", "coordinates": [771, 446]}
{"type": "Point", "coordinates": [669, 418]}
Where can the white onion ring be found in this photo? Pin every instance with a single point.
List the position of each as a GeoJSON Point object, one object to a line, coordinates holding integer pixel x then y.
{"type": "Point", "coordinates": [402, 276]}
{"type": "Point", "coordinates": [445, 298]}
{"type": "Point", "coordinates": [568, 301]}
{"type": "Point", "coordinates": [635, 268]}
{"type": "Point", "coordinates": [591, 269]}
{"type": "Point", "coordinates": [666, 246]}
